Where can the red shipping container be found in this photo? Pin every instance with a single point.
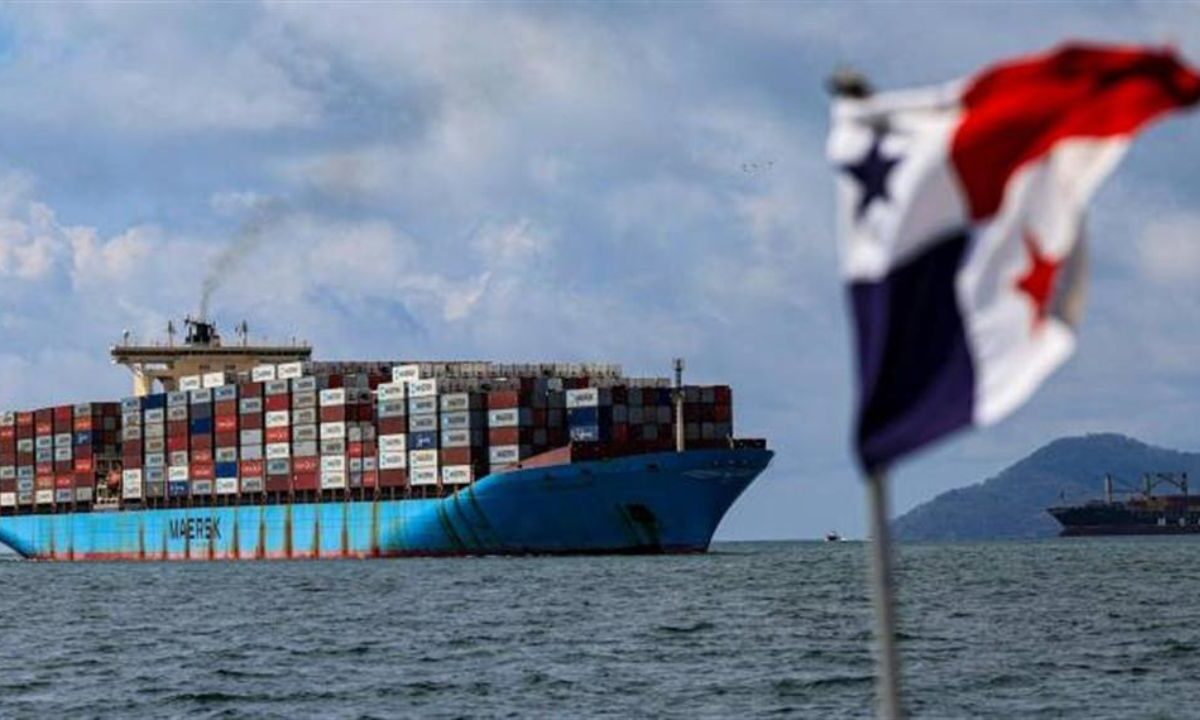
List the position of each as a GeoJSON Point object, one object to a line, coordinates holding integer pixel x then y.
{"type": "Point", "coordinates": [393, 426]}
{"type": "Point", "coordinates": [84, 451]}
{"type": "Point", "coordinates": [61, 466]}
{"type": "Point", "coordinates": [370, 478]}
{"type": "Point", "coordinates": [202, 442]}
{"type": "Point", "coordinates": [201, 471]}
{"type": "Point", "coordinates": [132, 462]}
{"type": "Point", "coordinates": [202, 456]}
{"type": "Point", "coordinates": [503, 399]}
{"type": "Point", "coordinates": [83, 480]}
{"type": "Point", "coordinates": [8, 484]}
{"type": "Point", "coordinates": [44, 482]}
{"type": "Point", "coordinates": [354, 449]}
{"type": "Point", "coordinates": [722, 413]}
{"type": "Point", "coordinates": [251, 468]}
{"type": "Point", "coordinates": [227, 439]}
{"type": "Point", "coordinates": [278, 402]}
{"type": "Point", "coordinates": [226, 423]}
{"type": "Point", "coordinates": [83, 424]}
{"type": "Point", "coordinates": [336, 413]}
{"type": "Point", "coordinates": [277, 435]}
{"type": "Point", "coordinates": [44, 468]}
{"type": "Point", "coordinates": [64, 481]}
{"type": "Point", "coordinates": [222, 408]}
{"type": "Point", "coordinates": [43, 427]}
{"type": "Point", "coordinates": [510, 436]}
{"type": "Point", "coordinates": [305, 481]}
{"type": "Point", "coordinates": [462, 455]}
{"type": "Point", "coordinates": [393, 478]}
{"type": "Point", "coordinates": [306, 465]}
{"type": "Point", "coordinates": [176, 428]}
{"type": "Point", "coordinates": [278, 483]}
{"type": "Point", "coordinates": [251, 421]}
{"type": "Point", "coordinates": [250, 389]}
{"type": "Point", "coordinates": [83, 465]}
{"type": "Point", "coordinates": [176, 443]}
{"type": "Point", "coordinates": [64, 412]}
{"type": "Point", "coordinates": [8, 433]}
{"type": "Point", "coordinates": [24, 419]}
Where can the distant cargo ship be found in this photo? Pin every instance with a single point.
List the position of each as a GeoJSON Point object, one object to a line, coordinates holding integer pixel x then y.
{"type": "Point", "coordinates": [257, 452]}
{"type": "Point", "coordinates": [1142, 514]}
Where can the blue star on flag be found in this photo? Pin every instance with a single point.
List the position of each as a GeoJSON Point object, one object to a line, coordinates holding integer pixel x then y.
{"type": "Point", "coordinates": [871, 173]}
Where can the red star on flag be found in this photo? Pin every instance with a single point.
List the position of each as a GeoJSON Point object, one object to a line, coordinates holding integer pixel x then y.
{"type": "Point", "coordinates": [1038, 280]}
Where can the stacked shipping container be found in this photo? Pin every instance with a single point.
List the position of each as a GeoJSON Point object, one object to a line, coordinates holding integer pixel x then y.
{"type": "Point", "coordinates": [279, 435]}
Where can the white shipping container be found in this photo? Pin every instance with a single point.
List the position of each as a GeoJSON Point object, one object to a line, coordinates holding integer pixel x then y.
{"type": "Point", "coordinates": [502, 454]}
{"type": "Point", "coordinates": [393, 460]}
{"type": "Point", "coordinates": [227, 486]}
{"type": "Point", "coordinates": [393, 443]}
{"type": "Point", "coordinates": [304, 416]}
{"type": "Point", "coordinates": [200, 397]}
{"type": "Point", "coordinates": [305, 384]}
{"type": "Point", "coordinates": [252, 484]}
{"type": "Point", "coordinates": [370, 463]}
{"type": "Point", "coordinates": [151, 445]}
{"type": "Point", "coordinates": [131, 432]}
{"type": "Point", "coordinates": [422, 423]}
{"type": "Point", "coordinates": [213, 379]}
{"type": "Point", "coordinates": [262, 373]}
{"type": "Point", "coordinates": [509, 417]}
{"type": "Point", "coordinates": [83, 494]}
{"type": "Point", "coordinates": [333, 463]}
{"type": "Point", "coordinates": [406, 373]}
{"type": "Point", "coordinates": [154, 415]}
{"type": "Point", "coordinates": [250, 405]}
{"type": "Point", "coordinates": [177, 473]}
{"type": "Point", "coordinates": [422, 405]}
{"type": "Point", "coordinates": [583, 397]}
{"type": "Point", "coordinates": [422, 458]}
{"type": "Point", "coordinates": [278, 451]}
{"type": "Point", "coordinates": [8, 419]}
{"type": "Point", "coordinates": [354, 432]}
{"type": "Point", "coordinates": [423, 388]}
{"type": "Point", "coordinates": [177, 413]}
{"type": "Point", "coordinates": [424, 476]}
{"type": "Point", "coordinates": [304, 433]}
{"type": "Point", "coordinates": [191, 382]}
{"type": "Point", "coordinates": [333, 430]}
{"type": "Point", "coordinates": [8, 499]}
{"type": "Point", "coordinates": [277, 418]}
{"type": "Point", "coordinates": [45, 497]}
{"type": "Point", "coordinates": [177, 457]}
{"type": "Point", "coordinates": [456, 475]}
{"type": "Point", "coordinates": [63, 440]}
{"type": "Point", "coordinates": [202, 487]}
{"type": "Point", "coordinates": [62, 454]}
{"type": "Point", "coordinates": [8, 472]}
{"type": "Point", "coordinates": [251, 452]}
{"type": "Point", "coordinates": [276, 387]}
{"type": "Point", "coordinates": [304, 448]}
{"type": "Point", "coordinates": [391, 409]}
{"type": "Point", "coordinates": [154, 431]}
{"type": "Point", "coordinates": [251, 437]}
{"type": "Point", "coordinates": [225, 455]}
{"type": "Point", "coordinates": [25, 445]}
{"type": "Point", "coordinates": [354, 465]}
{"type": "Point", "coordinates": [155, 460]}
{"type": "Point", "coordinates": [458, 438]}
{"type": "Point", "coordinates": [390, 391]}
{"type": "Point", "coordinates": [177, 398]}
{"type": "Point", "coordinates": [304, 399]}
{"type": "Point", "coordinates": [333, 480]}
{"type": "Point", "coordinates": [333, 397]}
{"type": "Point", "coordinates": [289, 371]}
{"type": "Point", "coordinates": [333, 447]}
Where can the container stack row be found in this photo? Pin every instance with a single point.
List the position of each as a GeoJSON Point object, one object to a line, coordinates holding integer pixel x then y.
{"type": "Point", "coordinates": [57, 457]}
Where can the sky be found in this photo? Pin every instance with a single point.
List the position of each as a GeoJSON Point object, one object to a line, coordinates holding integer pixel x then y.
{"type": "Point", "coordinates": [572, 182]}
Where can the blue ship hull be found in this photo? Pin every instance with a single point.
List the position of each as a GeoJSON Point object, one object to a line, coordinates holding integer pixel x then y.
{"type": "Point", "coordinates": [655, 503]}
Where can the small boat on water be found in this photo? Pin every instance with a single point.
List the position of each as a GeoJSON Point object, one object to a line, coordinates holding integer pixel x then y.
{"type": "Point", "coordinates": [832, 536]}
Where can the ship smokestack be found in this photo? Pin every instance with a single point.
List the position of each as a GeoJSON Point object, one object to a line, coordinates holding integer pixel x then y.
{"type": "Point", "coordinates": [1108, 489]}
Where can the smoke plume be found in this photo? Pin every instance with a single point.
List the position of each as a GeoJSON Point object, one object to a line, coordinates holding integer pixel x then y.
{"type": "Point", "coordinates": [263, 215]}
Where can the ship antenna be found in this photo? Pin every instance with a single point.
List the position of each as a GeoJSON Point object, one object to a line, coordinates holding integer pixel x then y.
{"type": "Point", "coordinates": [170, 333]}
{"type": "Point", "coordinates": [678, 398]}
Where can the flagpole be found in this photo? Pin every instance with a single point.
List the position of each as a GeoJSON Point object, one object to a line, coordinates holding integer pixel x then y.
{"type": "Point", "coordinates": [887, 656]}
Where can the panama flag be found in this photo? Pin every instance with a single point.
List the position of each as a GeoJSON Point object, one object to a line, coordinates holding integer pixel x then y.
{"type": "Point", "coordinates": [961, 238]}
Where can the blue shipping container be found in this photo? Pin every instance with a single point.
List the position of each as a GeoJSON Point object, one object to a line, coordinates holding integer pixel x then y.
{"type": "Point", "coordinates": [154, 402]}
{"type": "Point", "coordinates": [226, 469]}
{"type": "Point", "coordinates": [589, 416]}
{"type": "Point", "coordinates": [200, 411]}
{"type": "Point", "coordinates": [177, 488]}
{"type": "Point", "coordinates": [200, 426]}
{"type": "Point", "coordinates": [422, 440]}
{"type": "Point", "coordinates": [82, 438]}
{"type": "Point", "coordinates": [590, 433]}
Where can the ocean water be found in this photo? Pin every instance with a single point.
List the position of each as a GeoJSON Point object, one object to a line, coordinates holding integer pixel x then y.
{"type": "Point", "coordinates": [1080, 628]}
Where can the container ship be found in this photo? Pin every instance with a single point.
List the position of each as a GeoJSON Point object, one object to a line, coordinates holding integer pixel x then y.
{"type": "Point", "coordinates": [242, 451]}
{"type": "Point", "coordinates": [1141, 514]}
